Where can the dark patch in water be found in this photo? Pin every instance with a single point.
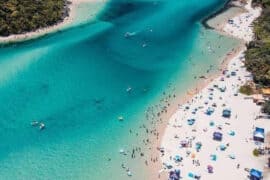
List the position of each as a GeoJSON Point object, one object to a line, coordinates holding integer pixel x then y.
{"type": "Point", "coordinates": [116, 9]}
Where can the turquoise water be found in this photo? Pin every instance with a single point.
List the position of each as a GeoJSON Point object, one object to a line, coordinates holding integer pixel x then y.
{"type": "Point", "coordinates": [75, 82]}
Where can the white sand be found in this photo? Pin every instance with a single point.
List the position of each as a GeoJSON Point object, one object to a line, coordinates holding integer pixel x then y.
{"type": "Point", "coordinates": [242, 122]}
{"type": "Point", "coordinates": [241, 27]}
{"type": "Point", "coordinates": [68, 21]}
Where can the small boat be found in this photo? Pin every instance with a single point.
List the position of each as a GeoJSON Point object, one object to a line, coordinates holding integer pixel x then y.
{"type": "Point", "coordinates": [144, 45]}
{"type": "Point", "coordinates": [41, 126]}
{"type": "Point", "coordinates": [122, 151]}
{"type": "Point", "coordinates": [129, 89]}
{"type": "Point", "coordinates": [34, 123]}
{"type": "Point", "coordinates": [120, 118]}
{"type": "Point", "coordinates": [129, 34]}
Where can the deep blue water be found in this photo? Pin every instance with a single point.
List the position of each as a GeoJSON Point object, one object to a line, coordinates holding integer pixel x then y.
{"type": "Point", "coordinates": [75, 82]}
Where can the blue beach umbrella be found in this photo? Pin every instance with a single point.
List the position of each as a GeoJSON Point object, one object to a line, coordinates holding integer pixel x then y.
{"type": "Point", "coordinates": [178, 158]}
{"type": "Point", "coordinates": [231, 133]}
{"type": "Point", "coordinates": [222, 147]}
{"type": "Point", "coordinates": [213, 157]}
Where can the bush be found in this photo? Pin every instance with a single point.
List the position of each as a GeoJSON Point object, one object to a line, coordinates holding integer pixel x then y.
{"type": "Point", "coordinates": [258, 51]}
{"type": "Point", "coordinates": [266, 107]}
{"type": "Point", "coordinates": [246, 89]}
{"type": "Point", "coordinates": [20, 16]}
{"type": "Point", "coordinates": [256, 152]}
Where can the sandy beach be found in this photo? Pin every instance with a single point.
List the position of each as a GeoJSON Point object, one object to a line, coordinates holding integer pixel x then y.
{"type": "Point", "coordinates": [188, 144]}
{"type": "Point", "coordinates": [74, 7]}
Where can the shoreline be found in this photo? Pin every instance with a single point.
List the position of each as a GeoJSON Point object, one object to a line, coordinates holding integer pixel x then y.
{"type": "Point", "coordinates": [66, 23]}
{"type": "Point", "coordinates": [173, 109]}
{"type": "Point", "coordinates": [226, 6]}
{"type": "Point", "coordinates": [183, 99]}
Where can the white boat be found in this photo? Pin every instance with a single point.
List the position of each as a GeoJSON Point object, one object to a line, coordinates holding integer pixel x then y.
{"type": "Point", "coordinates": [128, 89]}
{"type": "Point", "coordinates": [41, 126]}
{"type": "Point", "coordinates": [129, 34]}
{"type": "Point", "coordinates": [120, 118]}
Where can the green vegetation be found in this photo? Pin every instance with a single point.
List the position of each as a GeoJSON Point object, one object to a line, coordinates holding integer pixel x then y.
{"type": "Point", "coordinates": [258, 52]}
{"type": "Point", "coordinates": [266, 107]}
{"type": "Point", "coordinates": [20, 16]}
{"type": "Point", "coordinates": [246, 89]}
{"type": "Point", "coordinates": [256, 152]}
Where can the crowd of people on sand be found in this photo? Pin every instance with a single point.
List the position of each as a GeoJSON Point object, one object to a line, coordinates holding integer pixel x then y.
{"type": "Point", "coordinates": [208, 132]}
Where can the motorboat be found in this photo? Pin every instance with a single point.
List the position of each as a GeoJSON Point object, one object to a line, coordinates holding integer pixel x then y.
{"type": "Point", "coordinates": [129, 34]}
{"type": "Point", "coordinates": [129, 89]}
{"type": "Point", "coordinates": [120, 118]}
{"type": "Point", "coordinates": [41, 126]}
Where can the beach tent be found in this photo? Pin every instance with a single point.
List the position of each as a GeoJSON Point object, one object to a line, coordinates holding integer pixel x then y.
{"type": "Point", "coordinates": [217, 136]}
{"type": "Point", "coordinates": [210, 169]}
{"type": "Point", "coordinates": [191, 121]}
{"type": "Point", "coordinates": [259, 134]}
{"type": "Point", "coordinates": [174, 175]}
{"type": "Point", "coordinates": [222, 88]}
{"type": "Point", "coordinates": [226, 113]}
{"type": "Point", "coordinates": [255, 174]}
{"type": "Point", "coordinates": [178, 158]}
{"type": "Point", "coordinates": [184, 143]}
{"type": "Point", "coordinates": [210, 110]}
{"type": "Point", "coordinates": [233, 73]}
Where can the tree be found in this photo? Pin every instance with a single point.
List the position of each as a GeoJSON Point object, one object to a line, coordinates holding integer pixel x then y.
{"type": "Point", "coordinates": [21, 16]}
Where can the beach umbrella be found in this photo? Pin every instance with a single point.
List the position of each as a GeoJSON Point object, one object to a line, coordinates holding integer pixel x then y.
{"type": "Point", "coordinates": [217, 136]}
{"type": "Point", "coordinates": [231, 133]}
{"type": "Point", "coordinates": [178, 158]}
{"type": "Point", "coordinates": [210, 169]}
{"type": "Point", "coordinates": [222, 147]}
{"type": "Point", "coordinates": [198, 145]}
{"type": "Point", "coordinates": [191, 121]}
{"type": "Point", "coordinates": [232, 156]}
{"type": "Point", "coordinates": [213, 157]}
{"type": "Point", "coordinates": [178, 172]}
{"type": "Point", "coordinates": [190, 174]}
{"type": "Point", "coordinates": [226, 113]}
